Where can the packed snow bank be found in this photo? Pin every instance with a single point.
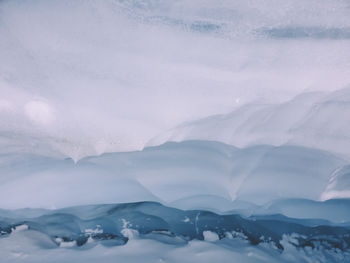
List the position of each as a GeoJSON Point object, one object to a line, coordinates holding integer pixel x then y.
{"type": "Point", "coordinates": [339, 184]}
{"type": "Point", "coordinates": [317, 120]}
{"type": "Point", "coordinates": [80, 78]}
{"type": "Point", "coordinates": [203, 173]}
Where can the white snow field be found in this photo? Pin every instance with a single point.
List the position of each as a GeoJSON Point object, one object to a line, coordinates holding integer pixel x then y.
{"type": "Point", "coordinates": [174, 131]}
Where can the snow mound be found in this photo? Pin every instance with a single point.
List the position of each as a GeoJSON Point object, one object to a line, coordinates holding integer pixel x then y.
{"type": "Point", "coordinates": [67, 227]}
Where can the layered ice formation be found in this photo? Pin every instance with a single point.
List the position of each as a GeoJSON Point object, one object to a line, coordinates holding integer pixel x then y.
{"type": "Point", "coordinates": [174, 131]}
{"type": "Point", "coordinates": [197, 172]}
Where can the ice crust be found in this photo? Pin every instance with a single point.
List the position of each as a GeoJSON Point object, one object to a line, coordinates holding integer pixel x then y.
{"type": "Point", "coordinates": [90, 227]}
{"type": "Point", "coordinates": [204, 173]}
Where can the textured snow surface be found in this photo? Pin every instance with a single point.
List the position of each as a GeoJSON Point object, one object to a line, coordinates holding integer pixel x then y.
{"type": "Point", "coordinates": [166, 234]}
{"type": "Point", "coordinates": [317, 120]}
{"type": "Point", "coordinates": [80, 78]}
{"type": "Point", "coordinates": [23, 247]}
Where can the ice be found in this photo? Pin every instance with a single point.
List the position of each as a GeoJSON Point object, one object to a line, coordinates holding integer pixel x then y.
{"type": "Point", "coordinates": [209, 168]}
{"type": "Point", "coordinates": [193, 174]}
{"type": "Point", "coordinates": [260, 237]}
{"type": "Point", "coordinates": [339, 184]}
{"type": "Point", "coordinates": [174, 131]}
{"type": "Point", "coordinates": [335, 210]}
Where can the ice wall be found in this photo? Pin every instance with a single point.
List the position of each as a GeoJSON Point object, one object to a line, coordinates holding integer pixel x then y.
{"type": "Point", "coordinates": [193, 174]}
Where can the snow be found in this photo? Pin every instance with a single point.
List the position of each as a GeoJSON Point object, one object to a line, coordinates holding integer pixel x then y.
{"type": "Point", "coordinates": [39, 112]}
{"type": "Point", "coordinates": [88, 77]}
{"type": "Point", "coordinates": [174, 131]}
{"type": "Point", "coordinates": [147, 251]}
{"type": "Point", "coordinates": [54, 237]}
{"type": "Point", "coordinates": [339, 185]}
{"type": "Point", "coordinates": [210, 236]}
{"type": "Point", "coordinates": [20, 228]}
{"type": "Point", "coordinates": [312, 119]}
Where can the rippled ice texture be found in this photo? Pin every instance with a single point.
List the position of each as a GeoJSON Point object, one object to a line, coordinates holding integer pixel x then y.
{"type": "Point", "coordinates": [81, 78]}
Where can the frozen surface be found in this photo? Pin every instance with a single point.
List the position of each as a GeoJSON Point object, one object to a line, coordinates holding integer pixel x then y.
{"type": "Point", "coordinates": [339, 184]}
{"type": "Point", "coordinates": [23, 247]}
{"type": "Point", "coordinates": [166, 234]}
{"type": "Point", "coordinates": [258, 93]}
{"type": "Point", "coordinates": [335, 210]}
{"type": "Point", "coordinates": [193, 174]}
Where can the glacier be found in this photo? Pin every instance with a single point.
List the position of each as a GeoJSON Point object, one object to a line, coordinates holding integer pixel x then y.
{"type": "Point", "coordinates": [174, 131]}
{"type": "Point", "coordinates": [169, 173]}
{"type": "Point", "coordinates": [192, 192]}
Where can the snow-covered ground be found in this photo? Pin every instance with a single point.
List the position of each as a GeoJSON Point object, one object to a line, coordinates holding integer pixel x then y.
{"type": "Point", "coordinates": [151, 232]}
{"type": "Point", "coordinates": [22, 247]}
